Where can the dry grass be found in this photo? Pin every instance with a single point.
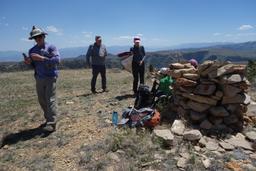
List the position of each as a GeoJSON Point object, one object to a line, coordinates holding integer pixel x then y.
{"type": "Point", "coordinates": [83, 140]}
{"type": "Point", "coordinates": [80, 123]}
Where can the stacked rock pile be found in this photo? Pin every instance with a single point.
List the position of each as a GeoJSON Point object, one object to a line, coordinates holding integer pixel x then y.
{"type": "Point", "coordinates": [212, 96]}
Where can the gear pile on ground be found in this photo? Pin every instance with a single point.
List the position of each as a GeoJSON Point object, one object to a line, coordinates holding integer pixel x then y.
{"type": "Point", "coordinates": [213, 96]}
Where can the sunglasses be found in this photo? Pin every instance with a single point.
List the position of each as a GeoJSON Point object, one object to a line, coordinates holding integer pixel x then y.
{"type": "Point", "coordinates": [38, 37]}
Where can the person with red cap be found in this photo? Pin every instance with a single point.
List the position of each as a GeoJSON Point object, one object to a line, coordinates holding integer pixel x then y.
{"type": "Point", "coordinates": [138, 64]}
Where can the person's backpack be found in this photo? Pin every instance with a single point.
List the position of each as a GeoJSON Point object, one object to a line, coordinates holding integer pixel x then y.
{"type": "Point", "coordinates": [143, 117]}
{"type": "Point", "coordinates": [144, 97]}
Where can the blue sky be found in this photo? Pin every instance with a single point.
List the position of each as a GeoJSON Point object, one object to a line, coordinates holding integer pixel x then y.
{"type": "Point", "coordinates": [157, 22]}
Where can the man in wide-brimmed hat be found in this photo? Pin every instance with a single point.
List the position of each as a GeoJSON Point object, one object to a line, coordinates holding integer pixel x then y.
{"type": "Point", "coordinates": [96, 58]}
{"type": "Point", "coordinates": [45, 58]}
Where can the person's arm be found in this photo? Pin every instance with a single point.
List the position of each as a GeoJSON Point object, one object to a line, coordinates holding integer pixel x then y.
{"type": "Point", "coordinates": [106, 52]}
{"type": "Point", "coordinates": [131, 50]}
{"type": "Point", "coordinates": [88, 55]}
{"type": "Point", "coordinates": [143, 54]}
{"type": "Point", "coordinates": [55, 59]}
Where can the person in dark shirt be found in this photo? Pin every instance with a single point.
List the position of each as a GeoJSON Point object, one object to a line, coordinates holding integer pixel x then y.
{"type": "Point", "coordinates": [96, 58]}
{"type": "Point", "coordinates": [138, 64]}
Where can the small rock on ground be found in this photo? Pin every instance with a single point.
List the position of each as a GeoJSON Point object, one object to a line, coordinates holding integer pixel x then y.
{"type": "Point", "coordinates": [165, 135]}
{"type": "Point", "coordinates": [178, 127]}
{"type": "Point", "coordinates": [226, 146]}
{"type": "Point", "coordinates": [192, 135]}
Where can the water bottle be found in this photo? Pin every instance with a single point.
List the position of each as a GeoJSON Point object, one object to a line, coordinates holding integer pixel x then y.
{"type": "Point", "coordinates": [114, 118]}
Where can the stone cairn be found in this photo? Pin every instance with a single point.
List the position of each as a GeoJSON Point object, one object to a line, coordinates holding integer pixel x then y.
{"type": "Point", "coordinates": [213, 96]}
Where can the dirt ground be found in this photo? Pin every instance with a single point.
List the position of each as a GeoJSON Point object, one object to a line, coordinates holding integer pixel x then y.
{"type": "Point", "coordinates": [85, 139]}
{"type": "Point", "coordinates": [83, 118]}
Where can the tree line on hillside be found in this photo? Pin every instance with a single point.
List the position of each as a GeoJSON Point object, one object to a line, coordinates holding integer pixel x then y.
{"type": "Point", "coordinates": [157, 59]}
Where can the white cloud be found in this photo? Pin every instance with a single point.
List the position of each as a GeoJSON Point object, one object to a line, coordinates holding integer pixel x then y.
{"type": "Point", "coordinates": [87, 34]}
{"type": "Point", "coordinates": [24, 28]}
{"type": "Point", "coordinates": [216, 34]}
{"type": "Point", "coordinates": [25, 40]}
{"type": "Point", "coordinates": [54, 29]}
{"type": "Point", "coordinates": [139, 34]}
{"type": "Point", "coordinates": [245, 27]}
{"type": "Point", "coordinates": [228, 35]}
{"type": "Point", "coordinates": [246, 34]}
{"type": "Point", "coordinates": [124, 37]}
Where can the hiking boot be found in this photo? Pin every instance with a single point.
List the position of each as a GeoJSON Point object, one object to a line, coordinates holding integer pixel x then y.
{"type": "Point", "coordinates": [94, 92]}
{"type": "Point", "coordinates": [105, 90]}
{"type": "Point", "coordinates": [50, 128]}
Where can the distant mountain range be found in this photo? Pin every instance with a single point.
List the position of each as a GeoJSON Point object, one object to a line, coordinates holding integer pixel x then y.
{"type": "Point", "coordinates": [245, 48]}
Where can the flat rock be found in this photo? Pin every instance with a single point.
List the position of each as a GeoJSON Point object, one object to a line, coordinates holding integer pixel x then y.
{"type": "Point", "coordinates": [206, 124]}
{"type": "Point", "coordinates": [202, 142]}
{"type": "Point", "coordinates": [177, 66]}
{"type": "Point", "coordinates": [200, 99]}
{"type": "Point", "coordinates": [216, 120]}
{"type": "Point", "coordinates": [198, 107]}
{"type": "Point", "coordinates": [251, 110]}
{"type": "Point", "coordinates": [197, 148]}
{"type": "Point", "coordinates": [212, 146]}
{"type": "Point", "coordinates": [238, 98]}
{"type": "Point", "coordinates": [226, 146]}
{"type": "Point", "coordinates": [184, 104]}
{"type": "Point", "coordinates": [212, 67]}
{"type": "Point", "coordinates": [219, 94]}
{"type": "Point", "coordinates": [230, 91]}
{"type": "Point", "coordinates": [165, 135]}
{"type": "Point", "coordinates": [185, 82]}
{"type": "Point", "coordinates": [253, 156]}
{"type": "Point", "coordinates": [196, 116]}
{"type": "Point", "coordinates": [230, 119]}
{"type": "Point", "coordinates": [192, 135]}
{"type": "Point", "coordinates": [205, 89]}
{"type": "Point", "coordinates": [240, 141]}
{"type": "Point", "coordinates": [178, 127]}
{"type": "Point", "coordinates": [175, 73]}
{"type": "Point", "coordinates": [219, 111]}
{"type": "Point", "coordinates": [231, 79]}
{"type": "Point", "coordinates": [185, 155]}
{"type": "Point", "coordinates": [205, 65]}
{"type": "Point", "coordinates": [182, 162]}
{"type": "Point", "coordinates": [193, 77]}
{"type": "Point", "coordinates": [182, 112]}
{"type": "Point", "coordinates": [249, 166]}
{"type": "Point", "coordinates": [113, 157]}
{"type": "Point", "coordinates": [227, 69]}
{"type": "Point", "coordinates": [251, 135]}
{"type": "Point", "coordinates": [110, 168]}
{"type": "Point", "coordinates": [186, 89]}
{"type": "Point", "coordinates": [206, 162]}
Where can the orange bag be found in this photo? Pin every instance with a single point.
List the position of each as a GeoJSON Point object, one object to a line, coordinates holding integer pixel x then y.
{"type": "Point", "coordinates": [155, 120]}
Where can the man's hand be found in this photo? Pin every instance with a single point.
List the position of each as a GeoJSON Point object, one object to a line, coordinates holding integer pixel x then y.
{"type": "Point", "coordinates": [141, 62]}
{"type": "Point", "coordinates": [27, 61]}
{"type": "Point", "coordinates": [37, 57]}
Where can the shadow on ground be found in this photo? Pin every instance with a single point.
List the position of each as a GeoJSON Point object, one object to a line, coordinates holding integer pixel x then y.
{"type": "Point", "coordinates": [125, 96]}
{"type": "Point", "coordinates": [24, 135]}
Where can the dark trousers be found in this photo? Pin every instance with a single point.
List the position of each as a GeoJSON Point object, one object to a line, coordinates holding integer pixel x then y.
{"type": "Point", "coordinates": [138, 74]}
{"type": "Point", "coordinates": [96, 70]}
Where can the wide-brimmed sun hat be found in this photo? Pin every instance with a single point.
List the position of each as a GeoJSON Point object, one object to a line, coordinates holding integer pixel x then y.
{"type": "Point", "coordinates": [36, 32]}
